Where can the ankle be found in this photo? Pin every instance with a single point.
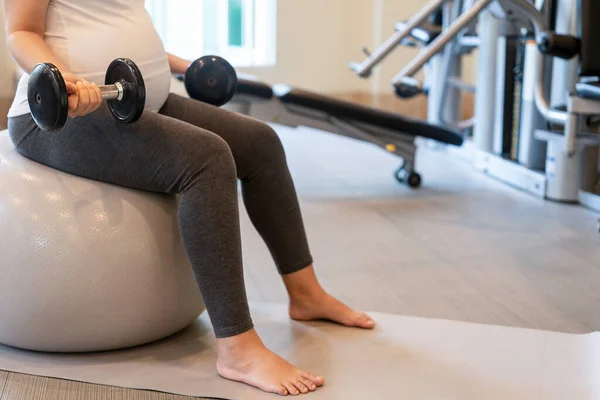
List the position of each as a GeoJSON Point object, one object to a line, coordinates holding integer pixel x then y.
{"type": "Point", "coordinates": [303, 284]}
{"type": "Point", "coordinates": [239, 344]}
{"type": "Point", "coordinates": [306, 296]}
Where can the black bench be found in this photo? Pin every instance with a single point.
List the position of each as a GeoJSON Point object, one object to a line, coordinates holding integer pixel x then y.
{"type": "Point", "coordinates": [347, 110]}
{"type": "Point", "coordinates": [355, 112]}
{"type": "Point", "coordinates": [253, 87]}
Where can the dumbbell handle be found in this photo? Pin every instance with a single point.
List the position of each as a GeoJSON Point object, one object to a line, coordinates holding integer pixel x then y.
{"type": "Point", "coordinates": [112, 92]}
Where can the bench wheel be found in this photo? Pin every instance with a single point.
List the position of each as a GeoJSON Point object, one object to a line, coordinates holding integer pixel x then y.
{"type": "Point", "coordinates": [408, 177]}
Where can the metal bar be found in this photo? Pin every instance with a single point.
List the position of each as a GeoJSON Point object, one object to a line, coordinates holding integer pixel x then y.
{"type": "Point", "coordinates": [541, 98]}
{"type": "Point", "coordinates": [110, 92]}
{"type": "Point", "coordinates": [364, 69]}
{"type": "Point", "coordinates": [571, 128]}
{"type": "Point", "coordinates": [460, 84]}
{"type": "Point", "coordinates": [469, 41]}
{"type": "Point", "coordinates": [446, 109]}
{"type": "Point", "coordinates": [358, 132]}
{"type": "Point", "coordinates": [485, 95]}
{"type": "Point", "coordinates": [417, 63]}
{"type": "Point", "coordinates": [416, 34]}
{"type": "Point", "coordinates": [401, 148]}
{"type": "Point", "coordinates": [531, 12]}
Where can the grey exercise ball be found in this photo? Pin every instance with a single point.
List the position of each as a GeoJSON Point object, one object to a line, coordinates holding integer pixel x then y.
{"type": "Point", "coordinates": [87, 266]}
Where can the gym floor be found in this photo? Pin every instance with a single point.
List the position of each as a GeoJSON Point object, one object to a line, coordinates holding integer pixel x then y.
{"type": "Point", "coordinates": [464, 247]}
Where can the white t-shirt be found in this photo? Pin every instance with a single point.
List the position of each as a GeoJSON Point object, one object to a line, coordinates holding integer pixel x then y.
{"type": "Point", "coordinates": [87, 35]}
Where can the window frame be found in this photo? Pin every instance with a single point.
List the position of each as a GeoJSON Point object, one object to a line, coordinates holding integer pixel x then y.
{"type": "Point", "coordinates": [259, 26]}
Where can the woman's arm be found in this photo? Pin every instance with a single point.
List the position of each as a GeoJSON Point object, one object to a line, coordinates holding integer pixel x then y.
{"type": "Point", "coordinates": [178, 65]}
{"type": "Point", "coordinates": [25, 29]}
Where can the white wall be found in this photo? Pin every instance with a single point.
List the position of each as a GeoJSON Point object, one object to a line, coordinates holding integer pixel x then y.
{"type": "Point", "coordinates": [316, 40]}
{"type": "Point", "coordinates": [7, 68]}
{"type": "Point", "coordinates": [388, 13]}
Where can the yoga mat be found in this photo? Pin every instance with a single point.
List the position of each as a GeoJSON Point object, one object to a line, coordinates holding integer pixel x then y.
{"type": "Point", "coordinates": [403, 358]}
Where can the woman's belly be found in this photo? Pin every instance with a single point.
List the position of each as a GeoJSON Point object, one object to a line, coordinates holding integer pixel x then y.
{"type": "Point", "coordinates": [90, 49]}
{"type": "Point", "coordinates": [87, 45]}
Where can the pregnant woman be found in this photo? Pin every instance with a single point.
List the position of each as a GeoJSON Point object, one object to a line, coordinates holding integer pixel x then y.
{"type": "Point", "coordinates": [178, 146]}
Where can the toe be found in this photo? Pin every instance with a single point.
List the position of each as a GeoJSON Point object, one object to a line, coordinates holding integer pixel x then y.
{"type": "Point", "coordinates": [280, 390]}
{"type": "Point", "coordinates": [364, 321]}
{"type": "Point", "coordinates": [291, 389]}
{"type": "Point", "coordinates": [309, 385]}
{"type": "Point", "coordinates": [301, 386]}
{"type": "Point", "coordinates": [317, 380]}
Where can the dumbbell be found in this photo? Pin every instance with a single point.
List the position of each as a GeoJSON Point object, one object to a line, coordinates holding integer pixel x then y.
{"type": "Point", "coordinates": [211, 79]}
{"type": "Point", "coordinates": [124, 91]}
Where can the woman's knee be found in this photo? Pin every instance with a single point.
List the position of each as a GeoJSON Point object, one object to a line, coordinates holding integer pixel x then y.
{"type": "Point", "coordinates": [265, 146]}
{"type": "Point", "coordinates": [209, 157]}
{"type": "Point", "coordinates": [218, 151]}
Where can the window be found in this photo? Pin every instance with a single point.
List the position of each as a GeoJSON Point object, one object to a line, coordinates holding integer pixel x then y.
{"type": "Point", "coordinates": [242, 31]}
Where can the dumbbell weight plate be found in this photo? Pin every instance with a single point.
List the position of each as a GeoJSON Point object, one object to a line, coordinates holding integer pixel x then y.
{"type": "Point", "coordinates": [211, 79]}
{"type": "Point", "coordinates": [47, 97]}
{"type": "Point", "coordinates": [131, 107]}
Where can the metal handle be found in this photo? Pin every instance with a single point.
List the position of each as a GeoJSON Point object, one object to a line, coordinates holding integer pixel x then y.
{"type": "Point", "coordinates": [364, 69]}
{"type": "Point", "coordinates": [541, 98]}
{"type": "Point", "coordinates": [427, 53]}
{"type": "Point", "coordinates": [112, 92]}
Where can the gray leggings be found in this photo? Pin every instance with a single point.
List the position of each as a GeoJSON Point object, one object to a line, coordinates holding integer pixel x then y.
{"type": "Point", "coordinates": [197, 151]}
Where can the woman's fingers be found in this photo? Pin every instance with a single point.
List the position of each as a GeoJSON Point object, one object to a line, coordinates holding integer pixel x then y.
{"type": "Point", "coordinates": [72, 78]}
{"type": "Point", "coordinates": [93, 98]}
{"type": "Point", "coordinates": [73, 100]}
{"type": "Point", "coordinates": [71, 88]}
{"type": "Point", "coordinates": [98, 96]}
{"type": "Point", "coordinates": [84, 97]}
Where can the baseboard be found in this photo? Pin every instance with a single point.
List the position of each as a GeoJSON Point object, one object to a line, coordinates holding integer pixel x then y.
{"type": "Point", "coordinates": [590, 200]}
{"type": "Point", "coordinates": [511, 173]}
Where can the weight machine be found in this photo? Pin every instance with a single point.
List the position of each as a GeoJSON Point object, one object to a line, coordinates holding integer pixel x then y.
{"type": "Point", "coordinates": [537, 100]}
{"type": "Point", "coordinates": [295, 107]}
{"type": "Point", "coordinates": [443, 67]}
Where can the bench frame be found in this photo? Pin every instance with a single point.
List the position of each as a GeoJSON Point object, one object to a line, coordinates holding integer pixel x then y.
{"type": "Point", "coordinates": [402, 144]}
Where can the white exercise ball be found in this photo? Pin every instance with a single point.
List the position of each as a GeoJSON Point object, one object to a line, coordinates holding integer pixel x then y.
{"type": "Point", "coordinates": [87, 266]}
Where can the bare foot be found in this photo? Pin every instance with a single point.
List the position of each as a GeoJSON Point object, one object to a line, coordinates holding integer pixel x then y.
{"type": "Point", "coordinates": [244, 358]}
{"type": "Point", "coordinates": [324, 306]}
{"type": "Point", "coordinates": [309, 301]}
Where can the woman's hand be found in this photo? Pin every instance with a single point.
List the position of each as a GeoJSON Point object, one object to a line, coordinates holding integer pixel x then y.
{"type": "Point", "coordinates": [84, 97]}
{"type": "Point", "coordinates": [178, 65]}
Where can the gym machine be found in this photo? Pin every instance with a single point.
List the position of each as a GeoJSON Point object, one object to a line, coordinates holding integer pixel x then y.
{"type": "Point", "coordinates": [443, 69]}
{"type": "Point", "coordinates": [546, 145]}
{"type": "Point", "coordinates": [295, 107]}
